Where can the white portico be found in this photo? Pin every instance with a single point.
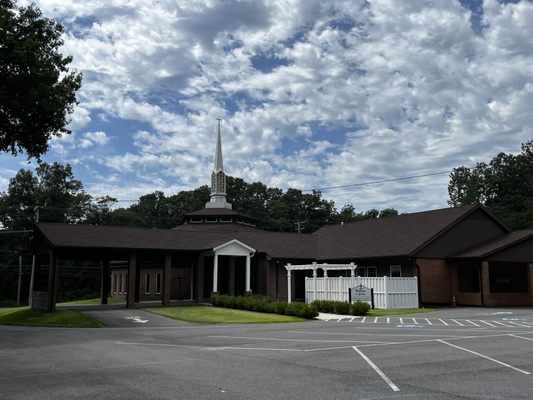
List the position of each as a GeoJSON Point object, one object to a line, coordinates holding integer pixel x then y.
{"type": "Point", "coordinates": [233, 248]}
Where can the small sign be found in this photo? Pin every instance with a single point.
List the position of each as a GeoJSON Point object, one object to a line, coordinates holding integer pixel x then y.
{"type": "Point", "coordinates": [361, 293]}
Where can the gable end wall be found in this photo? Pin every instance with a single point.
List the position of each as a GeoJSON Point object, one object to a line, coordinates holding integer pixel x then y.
{"type": "Point", "coordinates": [475, 229]}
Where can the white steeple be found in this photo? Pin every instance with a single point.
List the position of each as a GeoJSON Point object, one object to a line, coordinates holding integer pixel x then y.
{"type": "Point", "coordinates": [218, 178]}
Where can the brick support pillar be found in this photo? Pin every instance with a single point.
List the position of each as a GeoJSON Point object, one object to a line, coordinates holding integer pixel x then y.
{"type": "Point", "coordinates": [167, 279]}
{"type": "Point", "coordinates": [132, 277]}
{"type": "Point", "coordinates": [105, 284]}
{"type": "Point", "coordinates": [200, 279]}
{"type": "Point", "coordinates": [530, 274]}
{"type": "Point", "coordinates": [485, 282]}
{"type": "Point", "coordinates": [52, 283]}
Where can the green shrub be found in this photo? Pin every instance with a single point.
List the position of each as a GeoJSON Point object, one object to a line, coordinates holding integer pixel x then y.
{"type": "Point", "coordinates": [301, 310]}
{"type": "Point", "coordinates": [264, 304]}
{"type": "Point", "coordinates": [325, 306]}
{"type": "Point", "coordinates": [331, 306]}
{"type": "Point", "coordinates": [360, 308]}
{"type": "Point", "coordinates": [342, 307]}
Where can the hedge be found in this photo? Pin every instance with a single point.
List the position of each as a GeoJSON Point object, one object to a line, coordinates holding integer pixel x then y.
{"type": "Point", "coordinates": [341, 307]}
{"type": "Point", "coordinates": [265, 304]}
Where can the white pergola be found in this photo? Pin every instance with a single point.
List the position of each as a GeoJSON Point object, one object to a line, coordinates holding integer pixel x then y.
{"type": "Point", "coordinates": [233, 248]}
{"type": "Point", "coordinates": [313, 267]}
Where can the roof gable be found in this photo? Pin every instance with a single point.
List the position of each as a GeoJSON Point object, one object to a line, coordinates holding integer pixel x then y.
{"type": "Point", "coordinates": [387, 237]}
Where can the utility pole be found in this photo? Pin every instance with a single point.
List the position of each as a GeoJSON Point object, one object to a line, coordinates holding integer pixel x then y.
{"type": "Point", "coordinates": [299, 226]}
{"type": "Point", "coordinates": [20, 280]}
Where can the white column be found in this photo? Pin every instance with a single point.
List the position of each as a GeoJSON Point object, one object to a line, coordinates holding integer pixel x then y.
{"type": "Point", "coordinates": [248, 273]}
{"type": "Point", "coordinates": [314, 283]}
{"type": "Point", "coordinates": [215, 274]}
{"type": "Point", "coordinates": [386, 294]}
{"type": "Point", "coordinates": [352, 274]}
{"type": "Point", "coordinates": [289, 294]}
{"type": "Point", "coordinates": [326, 285]}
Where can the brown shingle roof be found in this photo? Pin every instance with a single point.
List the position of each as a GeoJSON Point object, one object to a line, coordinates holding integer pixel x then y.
{"type": "Point", "coordinates": [400, 235]}
{"type": "Point", "coordinates": [277, 245]}
{"type": "Point", "coordinates": [493, 246]}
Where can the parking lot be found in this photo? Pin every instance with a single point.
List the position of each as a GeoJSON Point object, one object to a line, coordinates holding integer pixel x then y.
{"type": "Point", "coordinates": [448, 354]}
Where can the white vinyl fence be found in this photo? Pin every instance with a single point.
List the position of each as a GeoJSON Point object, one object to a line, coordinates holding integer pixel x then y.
{"type": "Point", "coordinates": [389, 292]}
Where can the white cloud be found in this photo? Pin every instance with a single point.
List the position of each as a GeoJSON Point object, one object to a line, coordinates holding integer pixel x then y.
{"type": "Point", "coordinates": [90, 139]}
{"type": "Point", "coordinates": [313, 93]}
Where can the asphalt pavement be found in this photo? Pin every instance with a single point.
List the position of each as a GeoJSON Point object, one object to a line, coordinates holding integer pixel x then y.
{"type": "Point", "coordinates": [310, 360]}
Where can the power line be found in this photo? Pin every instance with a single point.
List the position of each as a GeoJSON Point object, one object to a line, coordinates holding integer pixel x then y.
{"type": "Point", "coordinates": [376, 182]}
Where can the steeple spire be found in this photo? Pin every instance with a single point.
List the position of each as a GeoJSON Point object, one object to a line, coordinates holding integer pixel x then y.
{"type": "Point", "coordinates": [218, 154]}
{"type": "Point", "coordinates": [218, 178]}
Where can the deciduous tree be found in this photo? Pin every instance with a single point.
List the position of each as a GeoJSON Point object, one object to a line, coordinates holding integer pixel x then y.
{"type": "Point", "coordinates": [37, 87]}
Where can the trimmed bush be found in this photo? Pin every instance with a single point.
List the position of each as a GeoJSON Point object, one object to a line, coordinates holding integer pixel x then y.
{"type": "Point", "coordinates": [264, 304]}
{"type": "Point", "coordinates": [332, 307]}
{"type": "Point", "coordinates": [325, 306]}
{"type": "Point", "coordinates": [342, 307]}
{"type": "Point", "coordinates": [360, 308]}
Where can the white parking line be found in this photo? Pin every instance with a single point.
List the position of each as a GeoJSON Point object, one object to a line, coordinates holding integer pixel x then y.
{"type": "Point", "coordinates": [388, 320]}
{"type": "Point", "coordinates": [364, 319]}
{"type": "Point", "coordinates": [501, 323]}
{"type": "Point", "coordinates": [376, 368]}
{"type": "Point", "coordinates": [521, 337]}
{"type": "Point", "coordinates": [414, 321]}
{"type": "Point", "coordinates": [375, 320]}
{"type": "Point", "coordinates": [428, 321]}
{"type": "Point", "coordinates": [457, 322]}
{"type": "Point", "coordinates": [519, 324]}
{"type": "Point", "coordinates": [444, 322]}
{"type": "Point", "coordinates": [401, 320]}
{"type": "Point", "coordinates": [295, 340]}
{"type": "Point", "coordinates": [488, 323]}
{"type": "Point", "coordinates": [486, 357]}
{"type": "Point", "coordinates": [351, 319]}
{"type": "Point", "coordinates": [473, 323]}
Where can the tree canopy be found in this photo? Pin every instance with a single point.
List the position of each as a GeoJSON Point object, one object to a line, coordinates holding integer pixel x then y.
{"type": "Point", "coordinates": [504, 185]}
{"type": "Point", "coordinates": [52, 190]}
{"type": "Point", "coordinates": [37, 88]}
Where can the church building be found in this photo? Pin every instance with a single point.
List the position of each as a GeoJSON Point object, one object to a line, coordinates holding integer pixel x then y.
{"type": "Point", "coordinates": [462, 252]}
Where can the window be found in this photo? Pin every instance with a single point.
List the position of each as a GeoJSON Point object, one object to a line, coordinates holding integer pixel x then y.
{"type": "Point", "coordinates": [225, 219]}
{"type": "Point", "coordinates": [371, 271]}
{"type": "Point", "coordinates": [469, 279]}
{"type": "Point", "coordinates": [211, 219]}
{"type": "Point", "coordinates": [396, 271]}
{"type": "Point", "coordinates": [508, 277]}
{"type": "Point", "coordinates": [196, 220]}
{"type": "Point", "coordinates": [158, 283]}
{"type": "Point", "coordinates": [146, 283]}
{"type": "Point", "coordinates": [360, 271]}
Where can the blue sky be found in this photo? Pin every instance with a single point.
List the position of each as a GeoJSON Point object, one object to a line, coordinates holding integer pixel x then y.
{"type": "Point", "coordinates": [313, 94]}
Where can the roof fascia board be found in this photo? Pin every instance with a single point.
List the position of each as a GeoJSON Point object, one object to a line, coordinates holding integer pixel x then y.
{"type": "Point", "coordinates": [506, 246]}
{"type": "Point", "coordinates": [232, 241]}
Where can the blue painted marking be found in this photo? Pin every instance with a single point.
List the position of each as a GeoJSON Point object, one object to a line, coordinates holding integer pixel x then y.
{"type": "Point", "coordinates": [411, 326]}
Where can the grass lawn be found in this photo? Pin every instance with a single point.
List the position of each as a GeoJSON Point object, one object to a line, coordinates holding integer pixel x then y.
{"type": "Point", "coordinates": [110, 300]}
{"type": "Point", "coordinates": [219, 315]}
{"type": "Point", "coordinates": [398, 311]}
{"type": "Point", "coordinates": [26, 317]}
